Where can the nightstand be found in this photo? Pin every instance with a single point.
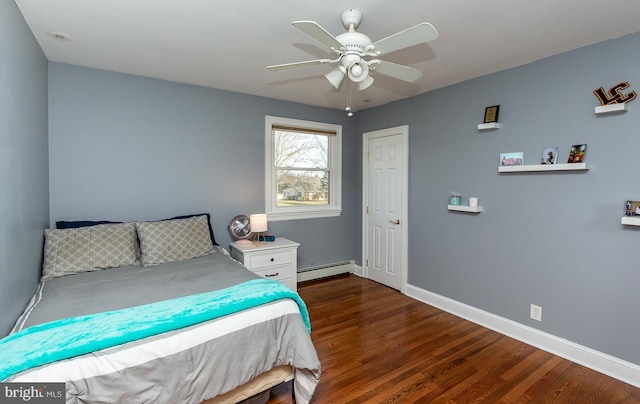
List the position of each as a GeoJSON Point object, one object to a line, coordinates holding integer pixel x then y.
{"type": "Point", "coordinates": [274, 260]}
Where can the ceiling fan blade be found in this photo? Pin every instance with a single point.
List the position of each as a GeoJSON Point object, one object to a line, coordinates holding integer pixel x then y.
{"type": "Point", "coordinates": [314, 30]}
{"type": "Point", "coordinates": [397, 71]}
{"type": "Point", "coordinates": [294, 65]}
{"type": "Point", "coordinates": [423, 32]}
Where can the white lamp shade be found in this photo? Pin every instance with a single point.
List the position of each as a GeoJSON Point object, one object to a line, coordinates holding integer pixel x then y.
{"type": "Point", "coordinates": [364, 84]}
{"type": "Point", "coordinates": [258, 222]}
{"type": "Point", "coordinates": [335, 77]}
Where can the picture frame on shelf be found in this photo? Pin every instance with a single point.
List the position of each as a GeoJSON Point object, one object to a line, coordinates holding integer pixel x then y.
{"type": "Point", "coordinates": [632, 208]}
{"type": "Point", "coordinates": [549, 155]}
{"type": "Point", "coordinates": [491, 114]}
{"type": "Point", "coordinates": [577, 152]}
{"type": "Point", "coordinates": [512, 159]}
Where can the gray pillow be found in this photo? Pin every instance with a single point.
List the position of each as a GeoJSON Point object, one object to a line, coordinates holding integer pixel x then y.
{"type": "Point", "coordinates": [174, 240]}
{"type": "Point", "coordinates": [69, 251]}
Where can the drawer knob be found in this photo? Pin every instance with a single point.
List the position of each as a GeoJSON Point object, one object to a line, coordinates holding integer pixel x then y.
{"type": "Point", "coordinates": [271, 275]}
{"type": "Point", "coordinates": [271, 259]}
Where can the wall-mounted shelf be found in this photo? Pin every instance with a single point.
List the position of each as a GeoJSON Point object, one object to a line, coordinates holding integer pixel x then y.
{"type": "Point", "coordinates": [606, 109]}
{"type": "Point", "coordinates": [631, 220]}
{"type": "Point", "coordinates": [545, 167]}
{"type": "Point", "coordinates": [489, 126]}
{"type": "Point", "coordinates": [465, 208]}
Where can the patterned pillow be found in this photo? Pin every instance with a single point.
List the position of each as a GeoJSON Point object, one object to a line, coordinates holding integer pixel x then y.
{"type": "Point", "coordinates": [174, 240]}
{"type": "Point", "coordinates": [69, 251]}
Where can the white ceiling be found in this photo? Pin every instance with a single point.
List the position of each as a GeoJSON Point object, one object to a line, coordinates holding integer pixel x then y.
{"type": "Point", "coordinates": [227, 44]}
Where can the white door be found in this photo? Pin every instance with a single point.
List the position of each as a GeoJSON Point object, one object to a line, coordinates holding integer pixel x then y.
{"type": "Point", "coordinates": [385, 176]}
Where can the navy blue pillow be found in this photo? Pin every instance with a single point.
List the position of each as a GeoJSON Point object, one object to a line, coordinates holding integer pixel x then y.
{"type": "Point", "coordinates": [80, 223]}
{"type": "Point", "coordinates": [87, 223]}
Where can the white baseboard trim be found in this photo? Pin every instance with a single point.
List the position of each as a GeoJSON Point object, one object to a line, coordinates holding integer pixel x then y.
{"type": "Point", "coordinates": [601, 362]}
{"type": "Point", "coordinates": [357, 270]}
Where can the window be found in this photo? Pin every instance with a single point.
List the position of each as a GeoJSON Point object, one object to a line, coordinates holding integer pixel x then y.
{"type": "Point", "coordinates": [303, 169]}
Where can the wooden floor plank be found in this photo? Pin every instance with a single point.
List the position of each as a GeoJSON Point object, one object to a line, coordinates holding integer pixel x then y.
{"type": "Point", "coordinates": [379, 346]}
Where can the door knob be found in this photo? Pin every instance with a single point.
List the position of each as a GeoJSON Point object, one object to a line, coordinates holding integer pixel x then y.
{"type": "Point", "coordinates": [397, 221]}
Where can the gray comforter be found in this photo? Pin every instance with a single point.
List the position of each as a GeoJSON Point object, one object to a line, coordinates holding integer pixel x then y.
{"type": "Point", "coordinates": [188, 365]}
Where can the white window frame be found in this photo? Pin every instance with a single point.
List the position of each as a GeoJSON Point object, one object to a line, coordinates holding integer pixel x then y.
{"type": "Point", "coordinates": [334, 207]}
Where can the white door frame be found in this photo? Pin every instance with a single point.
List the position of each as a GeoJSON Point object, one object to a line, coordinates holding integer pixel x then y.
{"type": "Point", "coordinates": [398, 130]}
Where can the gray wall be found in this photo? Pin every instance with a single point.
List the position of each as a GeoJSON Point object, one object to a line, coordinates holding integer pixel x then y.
{"type": "Point", "coordinates": [24, 192]}
{"type": "Point", "coordinates": [552, 239]}
{"type": "Point", "coordinates": [130, 148]}
{"type": "Point", "coordinates": [127, 148]}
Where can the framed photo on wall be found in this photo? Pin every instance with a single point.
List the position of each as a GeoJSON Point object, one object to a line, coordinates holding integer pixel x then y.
{"type": "Point", "coordinates": [491, 114]}
{"type": "Point", "coordinates": [512, 159]}
{"type": "Point", "coordinates": [549, 155]}
{"type": "Point", "coordinates": [632, 208]}
{"type": "Point", "coordinates": [576, 155]}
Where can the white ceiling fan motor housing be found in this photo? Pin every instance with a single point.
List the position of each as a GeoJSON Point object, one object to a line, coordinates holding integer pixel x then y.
{"type": "Point", "coordinates": [354, 42]}
{"type": "Point", "coordinates": [351, 17]}
{"type": "Point", "coordinates": [355, 47]}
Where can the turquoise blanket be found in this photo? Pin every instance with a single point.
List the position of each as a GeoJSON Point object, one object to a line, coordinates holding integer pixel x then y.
{"type": "Point", "coordinates": [69, 337]}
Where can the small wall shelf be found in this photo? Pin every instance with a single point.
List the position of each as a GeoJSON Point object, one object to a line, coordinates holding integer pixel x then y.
{"type": "Point", "coordinates": [545, 167]}
{"type": "Point", "coordinates": [489, 126]}
{"type": "Point", "coordinates": [631, 220]}
{"type": "Point", "coordinates": [606, 109]}
{"type": "Point", "coordinates": [465, 208]}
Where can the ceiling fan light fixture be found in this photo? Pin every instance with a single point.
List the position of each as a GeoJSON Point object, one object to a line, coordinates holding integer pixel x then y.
{"type": "Point", "coordinates": [352, 47]}
{"type": "Point", "coordinates": [358, 71]}
{"type": "Point", "coordinates": [366, 83]}
{"type": "Point", "coordinates": [335, 77]}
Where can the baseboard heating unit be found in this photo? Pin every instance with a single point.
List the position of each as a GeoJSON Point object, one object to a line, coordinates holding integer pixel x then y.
{"type": "Point", "coordinates": [323, 271]}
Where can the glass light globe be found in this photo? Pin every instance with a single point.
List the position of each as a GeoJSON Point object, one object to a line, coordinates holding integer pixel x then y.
{"type": "Point", "coordinates": [356, 70]}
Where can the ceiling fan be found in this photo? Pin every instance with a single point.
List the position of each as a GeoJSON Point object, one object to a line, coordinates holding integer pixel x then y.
{"type": "Point", "coordinates": [352, 48]}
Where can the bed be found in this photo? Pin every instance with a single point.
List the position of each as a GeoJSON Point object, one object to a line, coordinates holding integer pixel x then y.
{"type": "Point", "coordinates": [157, 312]}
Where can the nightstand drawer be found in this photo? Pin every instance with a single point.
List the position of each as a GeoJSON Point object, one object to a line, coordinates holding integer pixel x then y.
{"type": "Point", "coordinates": [269, 259]}
{"type": "Point", "coordinates": [277, 273]}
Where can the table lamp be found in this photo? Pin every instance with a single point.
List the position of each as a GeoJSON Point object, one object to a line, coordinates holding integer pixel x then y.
{"type": "Point", "coordinates": [258, 223]}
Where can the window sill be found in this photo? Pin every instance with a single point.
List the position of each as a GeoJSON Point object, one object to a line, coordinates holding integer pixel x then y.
{"type": "Point", "coordinates": [275, 216]}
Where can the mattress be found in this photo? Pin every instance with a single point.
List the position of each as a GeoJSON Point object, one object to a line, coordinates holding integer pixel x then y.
{"type": "Point", "coordinates": [190, 364]}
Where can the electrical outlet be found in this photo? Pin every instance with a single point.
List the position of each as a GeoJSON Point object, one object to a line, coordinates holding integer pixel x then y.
{"type": "Point", "coordinates": [536, 312]}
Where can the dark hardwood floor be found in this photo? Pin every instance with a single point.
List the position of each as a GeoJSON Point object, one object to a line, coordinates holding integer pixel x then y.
{"type": "Point", "coordinates": [379, 346]}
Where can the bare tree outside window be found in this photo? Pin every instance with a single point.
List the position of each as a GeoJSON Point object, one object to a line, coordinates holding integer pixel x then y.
{"type": "Point", "coordinates": [302, 168]}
